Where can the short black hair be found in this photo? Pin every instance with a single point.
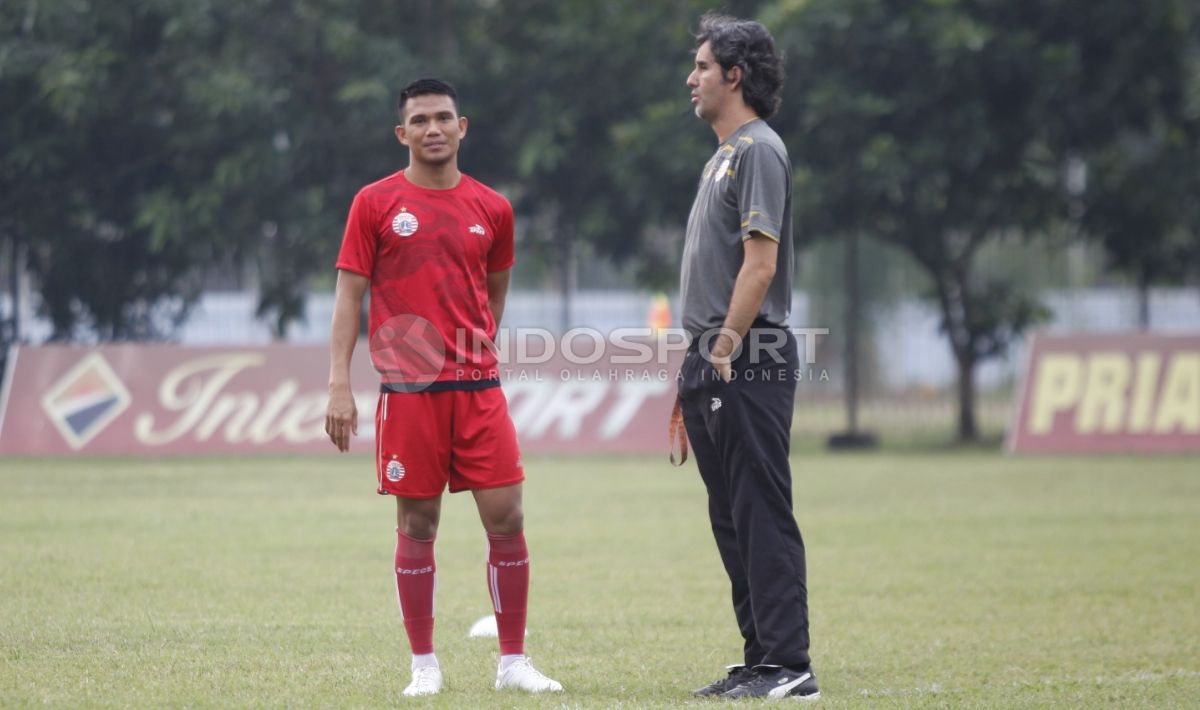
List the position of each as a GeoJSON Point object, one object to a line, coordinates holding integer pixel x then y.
{"type": "Point", "coordinates": [425, 87]}
{"type": "Point", "coordinates": [746, 44]}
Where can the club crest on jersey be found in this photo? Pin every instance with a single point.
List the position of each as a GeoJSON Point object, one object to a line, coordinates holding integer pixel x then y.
{"type": "Point", "coordinates": [721, 171]}
{"type": "Point", "coordinates": [405, 223]}
{"type": "Point", "coordinates": [395, 471]}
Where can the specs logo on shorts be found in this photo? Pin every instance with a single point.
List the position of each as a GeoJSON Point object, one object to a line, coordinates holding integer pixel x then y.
{"type": "Point", "coordinates": [716, 403]}
{"type": "Point", "coordinates": [405, 223]}
{"type": "Point", "coordinates": [478, 229]}
{"type": "Point", "coordinates": [395, 471]}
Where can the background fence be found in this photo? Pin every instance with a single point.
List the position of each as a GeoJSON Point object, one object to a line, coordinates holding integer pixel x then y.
{"type": "Point", "coordinates": [907, 376]}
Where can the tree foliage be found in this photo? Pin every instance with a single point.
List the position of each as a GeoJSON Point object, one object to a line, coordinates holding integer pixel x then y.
{"type": "Point", "coordinates": [147, 140]}
{"type": "Point", "coordinates": [150, 140]}
{"type": "Point", "coordinates": [1138, 195]}
{"type": "Point", "coordinates": [593, 125]}
{"type": "Point", "coordinates": [943, 125]}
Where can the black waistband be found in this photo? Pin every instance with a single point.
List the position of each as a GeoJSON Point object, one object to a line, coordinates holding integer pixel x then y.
{"type": "Point", "coordinates": [758, 324]}
{"type": "Point", "coordinates": [439, 386]}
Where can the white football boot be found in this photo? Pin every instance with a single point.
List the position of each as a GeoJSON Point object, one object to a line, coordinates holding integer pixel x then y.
{"type": "Point", "coordinates": [426, 680]}
{"type": "Point", "coordinates": [522, 675]}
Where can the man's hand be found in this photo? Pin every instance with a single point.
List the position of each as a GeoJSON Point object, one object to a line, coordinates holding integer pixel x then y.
{"type": "Point", "coordinates": [753, 279]}
{"type": "Point", "coordinates": [722, 356]}
{"type": "Point", "coordinates": [341, 418]}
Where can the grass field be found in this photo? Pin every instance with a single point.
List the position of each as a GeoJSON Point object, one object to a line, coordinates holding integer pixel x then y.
{"type": "Point", "coordinates": [936, 580]}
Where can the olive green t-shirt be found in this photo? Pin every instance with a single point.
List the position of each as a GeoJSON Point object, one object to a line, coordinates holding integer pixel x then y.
{"type": "Point", "coordinates": [746, 188]}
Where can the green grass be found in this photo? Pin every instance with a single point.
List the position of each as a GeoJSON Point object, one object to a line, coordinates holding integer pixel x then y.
{"type": "Point", "coordinates": [937, 580]}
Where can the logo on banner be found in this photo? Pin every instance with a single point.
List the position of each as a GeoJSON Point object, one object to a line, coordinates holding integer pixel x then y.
{"type": "Point", "coordinates": [85, 400]}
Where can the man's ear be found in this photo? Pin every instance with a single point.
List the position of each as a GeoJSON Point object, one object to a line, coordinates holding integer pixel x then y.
{"type": "Point", "coordinates": [462, 127]}
{"type": "Point", "coordinates": [401, 134]}
{"type": "Point", "coordinates": [733, 77]}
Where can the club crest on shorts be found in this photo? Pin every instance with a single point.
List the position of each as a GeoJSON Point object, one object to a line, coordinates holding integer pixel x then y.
{"type": "Point", "coordinates": [405, 223]}
{"type": "Point", "coordinates": [395, 471]}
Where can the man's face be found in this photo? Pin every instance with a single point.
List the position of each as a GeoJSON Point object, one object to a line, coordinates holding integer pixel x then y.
{"type": "Point", "coordinates": [432, 129]}
{"type": "Point", "coordinates": [710, 91]}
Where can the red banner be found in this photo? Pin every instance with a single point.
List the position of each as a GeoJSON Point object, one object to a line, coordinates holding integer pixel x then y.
{"type": "Point", "coordinates": [1109, 393]}
{"type": "Point", "coordinates": [161, 399]}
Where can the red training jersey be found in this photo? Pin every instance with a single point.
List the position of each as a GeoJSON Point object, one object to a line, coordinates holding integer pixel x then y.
{"type": "Point", "coordinates": [427, 254]}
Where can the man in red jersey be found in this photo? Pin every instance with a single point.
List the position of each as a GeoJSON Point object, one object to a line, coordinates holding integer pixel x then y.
{"type": "Point", "coordinates": [435, 248]}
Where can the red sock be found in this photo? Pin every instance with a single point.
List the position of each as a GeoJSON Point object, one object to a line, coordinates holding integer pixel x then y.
{"type": "Point", "coordinates": [508, 581]}
{"type": "Point", "coordinates": [416, 579]}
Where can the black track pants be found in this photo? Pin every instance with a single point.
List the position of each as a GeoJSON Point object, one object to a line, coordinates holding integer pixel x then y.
{"type": "Point", "coordinates": [740, 432]}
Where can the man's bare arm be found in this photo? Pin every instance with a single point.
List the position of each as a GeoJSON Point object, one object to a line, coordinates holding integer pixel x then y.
{"type": "Point", "coordinates": [341, 415]}
{"type": "Point", "coordinates": [753, 280]}
{"type": "Point", "coordinates": [497, 287]}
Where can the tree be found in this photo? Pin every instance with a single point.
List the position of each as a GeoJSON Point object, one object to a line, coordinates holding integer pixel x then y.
{"type": "Point", "coordinates": [944, 125]}
{"type": "Point", "coordinates": [919, 124]}
{"type": "Point", "coordinates": [64, 178]}
{"type": "Point", "coordinates": [1140, 204]}
{"type": "Point", "coordinates": [1138, 192]}
{"type": "Point", "coordinates": [150, 140]}
{"type": "Point", "coordinates": [184, 136]}
{"type": "Point", "coordinates": [592, 130]}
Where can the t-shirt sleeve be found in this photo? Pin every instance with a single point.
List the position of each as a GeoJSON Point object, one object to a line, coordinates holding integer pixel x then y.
{"type": "Point", "coordinates": [501, 256]}
{"type": "Point", "coordinates": [359, 241]}
{"type": "Point", "coordinates": [763, 182]}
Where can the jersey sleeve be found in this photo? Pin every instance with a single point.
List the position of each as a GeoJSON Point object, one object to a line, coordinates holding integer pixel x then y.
{"type": "Point", "coordinates": [501, 256]}
{"type": "Point", "coordinates": [763, 182]}
{"type": "Point", "coordinates": [359, 242]}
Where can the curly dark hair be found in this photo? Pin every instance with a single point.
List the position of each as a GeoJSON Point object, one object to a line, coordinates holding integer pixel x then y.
{"type": "Point", "coordinates": [746, 44]}
{"type": "Point", "coordinates": [424, 87]}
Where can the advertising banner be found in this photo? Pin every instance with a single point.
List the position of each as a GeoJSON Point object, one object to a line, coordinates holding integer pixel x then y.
{"type": "Point", "coordinates": [163, 399]}
{"type": "Point", "coordinates": [1109, 393]}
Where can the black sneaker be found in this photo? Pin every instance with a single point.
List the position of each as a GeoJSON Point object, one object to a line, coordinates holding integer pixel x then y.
{"type": "Point", "coordinates": [737, 676]}
{"type": "Point", "coordinates": [776, 682]}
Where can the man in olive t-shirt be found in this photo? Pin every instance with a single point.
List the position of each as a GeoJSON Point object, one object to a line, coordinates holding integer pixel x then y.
{"type": "Point", "coordinates": [738, 379]}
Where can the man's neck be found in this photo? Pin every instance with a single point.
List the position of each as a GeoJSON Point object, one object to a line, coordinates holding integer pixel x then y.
{"type": "Point", "coordinates": [434, 177]}
{"type": "Point", "coordinates": [731, 120]}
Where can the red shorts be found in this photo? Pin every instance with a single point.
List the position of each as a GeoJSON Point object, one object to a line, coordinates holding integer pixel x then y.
{"type": "Point", "coordinates": [426, 440]}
